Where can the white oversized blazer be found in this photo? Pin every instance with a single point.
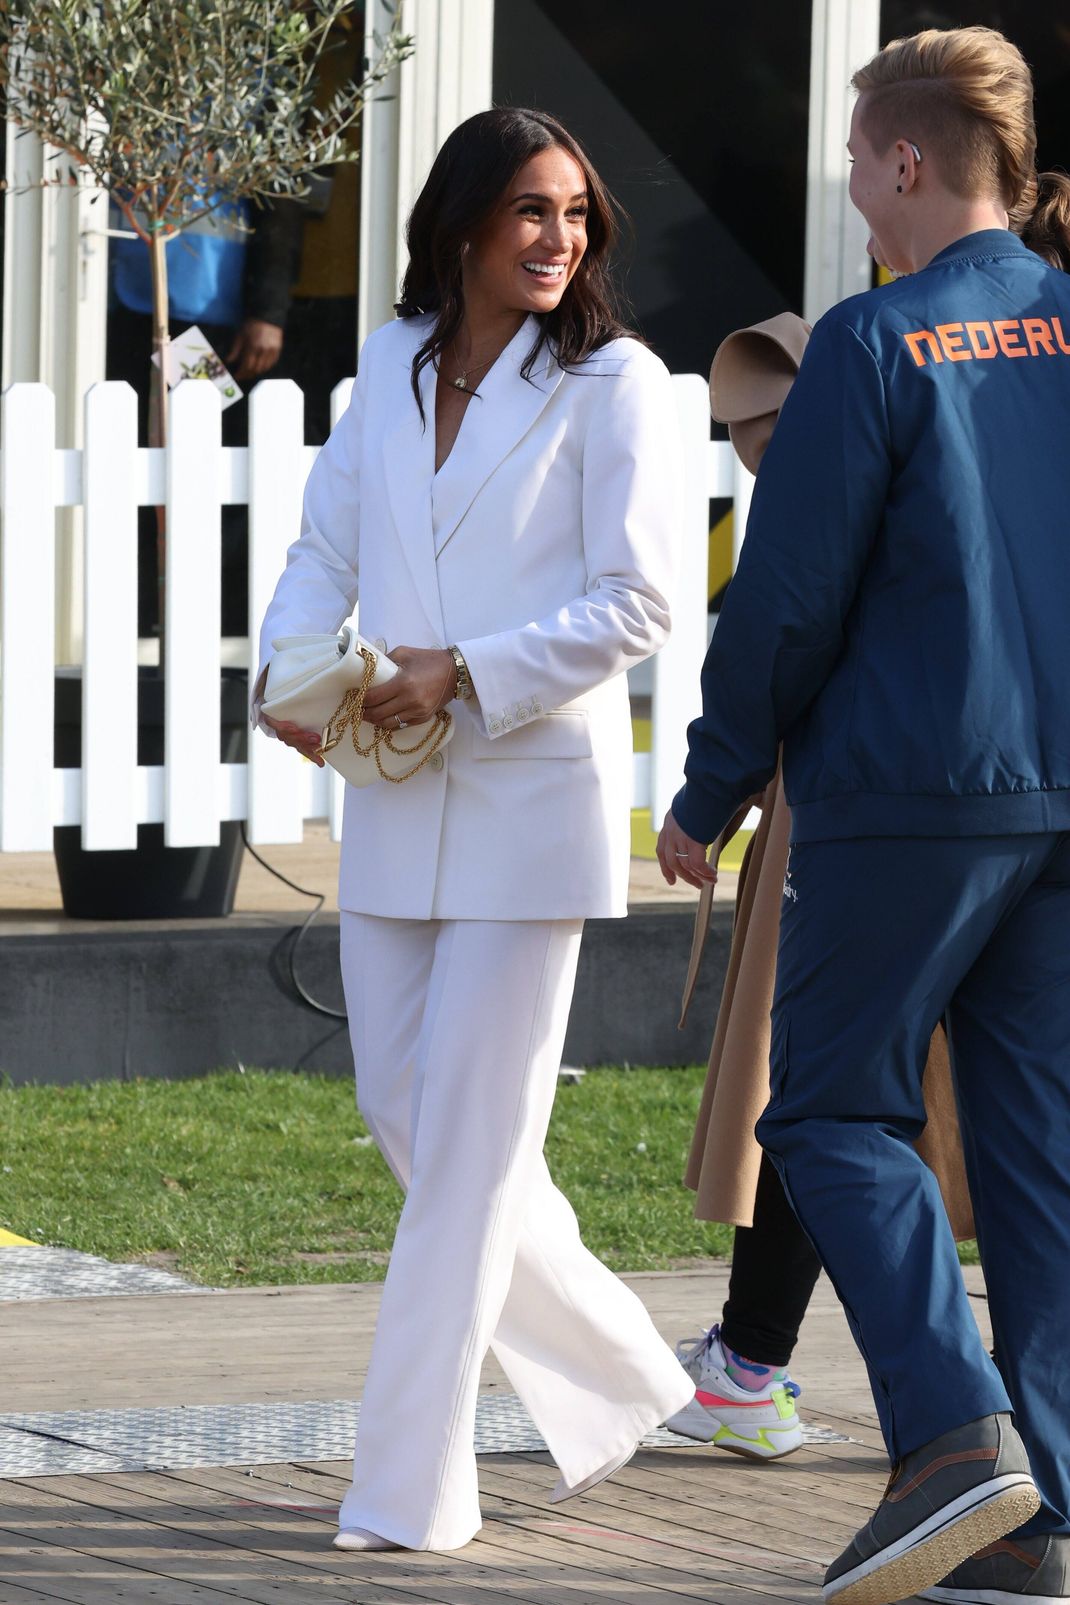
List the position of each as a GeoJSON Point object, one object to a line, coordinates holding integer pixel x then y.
{"type": "Point", "coordinates": [545, 547]}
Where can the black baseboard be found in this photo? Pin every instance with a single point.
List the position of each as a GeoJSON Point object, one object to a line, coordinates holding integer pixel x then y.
{"type": "Point", "coordinates": [170, 1002]}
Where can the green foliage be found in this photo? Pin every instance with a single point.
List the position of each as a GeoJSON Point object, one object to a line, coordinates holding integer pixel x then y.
{"type": "Point", "coordinates": [175, 106]}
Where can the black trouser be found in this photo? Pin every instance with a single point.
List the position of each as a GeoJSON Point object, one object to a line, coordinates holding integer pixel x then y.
{"type": "Point", "coordinates": [774, 1270]}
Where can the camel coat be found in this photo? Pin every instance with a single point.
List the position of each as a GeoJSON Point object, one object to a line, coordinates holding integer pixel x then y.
{"type": "Point", "coordinates": [725, 1156]}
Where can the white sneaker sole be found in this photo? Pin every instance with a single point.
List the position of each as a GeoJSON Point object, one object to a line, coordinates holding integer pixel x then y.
{"type": "Point", "coordinates": [935, 1547]}
{"type": "Point", "coordinates": [771, 1443]}
{"type": "Point", "coordinates": [767, 1441]}
{"type": "Point", "coordinates": [989, 1596]}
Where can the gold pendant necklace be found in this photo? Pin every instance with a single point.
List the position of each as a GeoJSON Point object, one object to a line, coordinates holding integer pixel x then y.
{"type": "Point", "coordinates": [461, 381]}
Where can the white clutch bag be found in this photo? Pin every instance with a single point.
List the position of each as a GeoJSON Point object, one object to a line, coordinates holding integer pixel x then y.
{"type": "Point", "coordinates": [320, 682]}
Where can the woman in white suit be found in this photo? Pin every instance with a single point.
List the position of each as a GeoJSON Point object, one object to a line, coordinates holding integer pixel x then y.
{"type": "Point", "coordinates": [501, 494]}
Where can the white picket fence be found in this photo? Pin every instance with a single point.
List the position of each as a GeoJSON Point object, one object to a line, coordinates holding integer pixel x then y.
{"type": "Point", "coordinates": [192, 792]}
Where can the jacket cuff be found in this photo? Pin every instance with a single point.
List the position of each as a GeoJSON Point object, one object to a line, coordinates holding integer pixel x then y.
{"type": "Point", "coordinates": [699, 814]}
{"type": "Point", "coordinates": [499, 716]}
{"type": "Point", "coordinates": [273, 311]}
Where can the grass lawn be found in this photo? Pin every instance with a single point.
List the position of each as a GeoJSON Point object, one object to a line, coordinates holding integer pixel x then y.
{"type": "Point", "coordinates": [268, 1177]}
{"type": "Point", "coordinates": [271, 1177]}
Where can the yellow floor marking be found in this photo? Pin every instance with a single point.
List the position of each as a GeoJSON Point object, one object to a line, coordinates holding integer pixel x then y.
{"type": "Point", "coordinates": [9, 1240]}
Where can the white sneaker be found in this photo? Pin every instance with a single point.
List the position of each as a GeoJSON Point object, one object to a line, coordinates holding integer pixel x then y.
{"type": "Point", "coordinates": [762, 1425]}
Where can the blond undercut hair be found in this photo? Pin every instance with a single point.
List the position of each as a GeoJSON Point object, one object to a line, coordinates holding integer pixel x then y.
{"type": "Point", "coordinates": [966, 96]}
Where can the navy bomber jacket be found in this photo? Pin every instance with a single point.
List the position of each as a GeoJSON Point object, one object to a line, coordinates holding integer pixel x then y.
{"type": "Point", "coordinates": [900, 617]}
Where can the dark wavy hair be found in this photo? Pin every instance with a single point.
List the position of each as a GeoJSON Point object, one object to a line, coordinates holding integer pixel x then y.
{"type": "Point", "coordinates": [470, 175]}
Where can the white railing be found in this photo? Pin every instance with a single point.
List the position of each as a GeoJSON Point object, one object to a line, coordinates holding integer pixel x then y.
{"type": "Point", "coordinates": [192, 792]}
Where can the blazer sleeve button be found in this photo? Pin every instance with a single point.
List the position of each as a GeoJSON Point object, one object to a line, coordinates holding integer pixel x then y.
{"type": "Point", "coordinates": [507, 723]}
{"type": "Point", "coordinates": [495, 726]}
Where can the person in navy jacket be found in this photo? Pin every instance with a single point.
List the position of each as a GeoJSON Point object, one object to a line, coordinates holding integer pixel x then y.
{"type": "Point", "coordinates": [900, 620]}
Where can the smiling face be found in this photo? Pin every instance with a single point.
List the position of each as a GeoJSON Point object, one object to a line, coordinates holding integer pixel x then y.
{"type": "Point", "coordinates": [525, 255]}
{"type": "Point", "coordinates": [873, 192]}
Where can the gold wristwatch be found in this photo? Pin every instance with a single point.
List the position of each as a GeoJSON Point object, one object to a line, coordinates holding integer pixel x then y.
{"type": "Point", "coordinates": [464, 679]}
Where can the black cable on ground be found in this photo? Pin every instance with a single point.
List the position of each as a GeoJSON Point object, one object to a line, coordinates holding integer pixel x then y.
{"type": "Point", "coordinates": [303, 891]}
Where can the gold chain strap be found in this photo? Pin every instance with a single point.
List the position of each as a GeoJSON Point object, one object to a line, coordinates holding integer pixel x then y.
{"type": "Point", "coordinates": [349, 715]}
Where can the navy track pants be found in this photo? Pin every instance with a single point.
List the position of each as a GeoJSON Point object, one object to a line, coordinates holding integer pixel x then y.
{"type": "Point", "coordinates": [880, 938]}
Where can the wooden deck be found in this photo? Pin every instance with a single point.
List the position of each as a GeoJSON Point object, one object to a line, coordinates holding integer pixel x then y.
{"type": "Point", "coordinates": [675, 1525]}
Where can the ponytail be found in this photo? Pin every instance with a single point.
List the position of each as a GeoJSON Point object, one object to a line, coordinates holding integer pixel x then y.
{"type": "Point", "coordinates": [1042, 218]}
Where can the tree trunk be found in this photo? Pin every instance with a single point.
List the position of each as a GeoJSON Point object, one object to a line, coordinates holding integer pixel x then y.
{"type": "Point", "coordinates": [161, 340]}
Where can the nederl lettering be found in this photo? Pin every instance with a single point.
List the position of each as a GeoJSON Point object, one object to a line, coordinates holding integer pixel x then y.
{"type": "Point", "coordinates": [1007, 337]}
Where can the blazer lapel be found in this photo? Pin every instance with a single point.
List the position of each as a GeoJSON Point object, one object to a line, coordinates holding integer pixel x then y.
{"type": "Point", "coordinates": [409, 462]}
{"type": "Point", "coordinates": [504, 408]}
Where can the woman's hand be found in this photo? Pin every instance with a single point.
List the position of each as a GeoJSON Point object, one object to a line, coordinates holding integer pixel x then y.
{"type": "Point", "coordinates": [679, 855]}
{"type": "Point", "coordinates": [306, 742]}
{"type": "Point", "coordinates": [425, 682]}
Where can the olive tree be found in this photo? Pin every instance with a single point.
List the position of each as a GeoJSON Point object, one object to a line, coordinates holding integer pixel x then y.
{"type": "Point", "coordinates": [175, 108]}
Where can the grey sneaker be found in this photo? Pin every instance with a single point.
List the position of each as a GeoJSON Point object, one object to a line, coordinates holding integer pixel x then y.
{"type": "Point", "coordinates": [1035, 1569]}
{"type": "Point", "coordinates": [944, 1502]}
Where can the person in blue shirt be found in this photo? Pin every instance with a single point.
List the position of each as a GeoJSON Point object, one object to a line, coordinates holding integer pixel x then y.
{"type": "Point", "coordinates": [230, 273]}
{"type": "Point", "coordinates": [900, 621]}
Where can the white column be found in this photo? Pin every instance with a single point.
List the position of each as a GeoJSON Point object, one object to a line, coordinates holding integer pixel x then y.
{"type": "Point", "coordinates": [55, 322]}
{"type": "Point", "coordinates": [447, 79]}
{"type": "Point", "coordinates": [378, 288]}
{"type": "Point", "coordinates": [27, 505]}
{"type": "Point", "coordinates": [845, 34]}
{"type": "Point", "coordinates": [677, 696]}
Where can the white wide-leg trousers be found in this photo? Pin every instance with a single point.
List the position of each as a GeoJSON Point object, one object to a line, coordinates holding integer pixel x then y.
{"type": "Point", "coordinates": [457, 1029]}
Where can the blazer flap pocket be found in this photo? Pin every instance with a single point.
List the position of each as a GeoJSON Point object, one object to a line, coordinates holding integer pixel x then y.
{"type": "Point", "coordinates": [552, 735]}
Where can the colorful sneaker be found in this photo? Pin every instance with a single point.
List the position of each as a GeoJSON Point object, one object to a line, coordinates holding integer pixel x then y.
{"type": "Point", "coordinates": [945, 1502]}
{"type": "Point", "coordinates": [761, 1425]}
{"type": "Point", "coordinates": [1036, 1570]}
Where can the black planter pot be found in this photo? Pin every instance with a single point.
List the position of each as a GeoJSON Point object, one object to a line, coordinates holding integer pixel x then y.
{"type": "Point", "coordinates": [149, 881]}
